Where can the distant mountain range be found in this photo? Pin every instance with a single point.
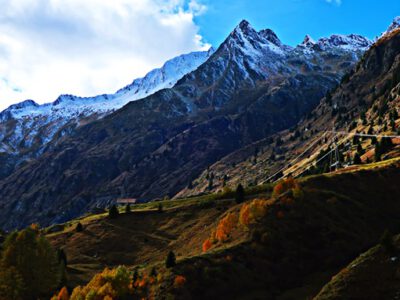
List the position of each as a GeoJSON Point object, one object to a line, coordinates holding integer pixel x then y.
{"type": "Point", "coordinates": [27, 127]}
{"type": "Point", "coordinates": [251, 87]}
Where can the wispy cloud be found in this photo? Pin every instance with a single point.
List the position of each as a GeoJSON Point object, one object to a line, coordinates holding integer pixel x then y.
{"type": "Point", "coordinates": [48, 47]}
{"type": "Point", "coordinates": [337, 2]}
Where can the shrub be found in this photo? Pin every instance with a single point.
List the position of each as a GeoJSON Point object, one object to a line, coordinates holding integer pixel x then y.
{"type": "Point", "coordinates": [113, 212]}
{"type": "Point", "coordinates": [171, 260]}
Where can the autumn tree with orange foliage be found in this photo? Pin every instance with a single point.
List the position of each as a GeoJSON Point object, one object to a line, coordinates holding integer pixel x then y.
{"type": "Point", "coordinates": [253, 211]}
{"type": "Point", "coordinates": [179, 281]}
{"type": "Point", "coordinates": [288, 184]}
{"type": "Point", "coordinates": [62, 295]}
{"type": "Point", "coordinates": [225, 227]}
{"type": "Point", "coordinates": [207, 245]}
{"type": "Point", "coordinates": [113, 284]}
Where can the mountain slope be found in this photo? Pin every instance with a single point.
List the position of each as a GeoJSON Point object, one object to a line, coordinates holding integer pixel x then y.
{"type": "Point", "coordinates": [27, 128]}
{"type": "Point", "coordinates": [366, 101]}
{"type": "Point", "coordinates": [252, 86]}
{"type": "Point", "coordinates": [288, 252]}
{"type": "Point", "coordinates": [358, 280]}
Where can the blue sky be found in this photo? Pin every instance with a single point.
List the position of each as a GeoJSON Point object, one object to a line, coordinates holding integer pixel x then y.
{"type": "Point", "coordinates": [293, 19]}
{"type": "Point", "coordinates": [91, 47]}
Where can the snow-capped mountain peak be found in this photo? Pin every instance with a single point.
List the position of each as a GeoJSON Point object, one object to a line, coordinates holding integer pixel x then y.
{"type": "Point", "coordinates": [251, 42]}
{"type": "Point", "coordinates": [346, 42]}
{"type": "Point", "coordinates": [308, 41]}
{"type": "Point", "coordinates": [271, 36]}
{"type": "Point", "coordinates": [27, 122]}
{"type": "Point", "coordinates": [395, 25]}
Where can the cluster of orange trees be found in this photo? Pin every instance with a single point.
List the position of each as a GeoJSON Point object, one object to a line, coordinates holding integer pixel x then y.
{"type": "Point", "coordinates": [253, 211]}
{"type": "Point", "coordinates": [119, 283]}
{"type": "Point", "coordinates": [250, 213]}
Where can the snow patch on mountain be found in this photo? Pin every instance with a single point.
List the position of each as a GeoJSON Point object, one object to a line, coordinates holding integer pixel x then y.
{"type": "Point", "coordinates": [74, 106]}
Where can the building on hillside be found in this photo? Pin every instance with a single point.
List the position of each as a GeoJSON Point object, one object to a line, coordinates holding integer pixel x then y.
{"type": "Point", "coordinates": [126, 201]}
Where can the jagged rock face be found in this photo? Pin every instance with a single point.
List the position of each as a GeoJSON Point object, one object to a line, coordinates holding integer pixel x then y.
{"type": "Point", "coordinates": [27, 128]}
{"type": "Point", "coordinates": [252, 86]}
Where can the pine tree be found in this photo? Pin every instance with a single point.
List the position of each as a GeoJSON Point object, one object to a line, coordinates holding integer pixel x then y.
{"type": "Point", "coordinates": [128, 208]}
{"type": "Point", "coordinates": [153, 272]}
{"type": "Point", "coordinates": [360, 150]}
{"type": "Point", "coordinates": [113, 212]}
{"type": "Point", "coordinates": [135, 276]}
{"type": "Point", "coordinates": [357, 159]}
{"type": "Point", "coordinates": [378, 152]}
{"type": "Point", "coordinates": [393, 124]}
{"type": "Point", "coordinates": [387, 242]}
{"type": "Point", "coordinates": [79, 227]}
{"type": "Point", "coordinates": [171, 260]}
{"type": "Point", "coordinates": [239, 194]}
{"type": "Point", "coordinates": [62, 257]}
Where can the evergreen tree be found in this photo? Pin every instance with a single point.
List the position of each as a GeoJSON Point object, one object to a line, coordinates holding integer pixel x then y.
{"type": "Point", "coordinates": [386, 144]}
{"type": "Point", "coordinates": [387, 242]}
{"type": "Point", "coordinates": [190, 185]}
{"type": "Point", "coordinates": [393, 124]}
{"type": "Point", "coordinates": [128, 208]}
{"type": "Point", "coordinates": [171, 260]}
{"type": "Point", "coordinates": [135, 276]}
{"type": "Point", "coordinates": [79, 227]}
{"type": "Point", "coordinates": [239, 194]}
{"type": "Point", "coordinates": [113, 212]}
{"type": "Point", "coordinates": [357, 159]}
{"type": "Point", "coordinates": [153, 272]}
{"type": "Point", "coordinates": [378, 152]}
{"type": "Point", "coordinates": [62, 257]}
{"type": "Point", "coordinates": [360, 150]}
{"type": "Point", "coordinates": [29, 258]}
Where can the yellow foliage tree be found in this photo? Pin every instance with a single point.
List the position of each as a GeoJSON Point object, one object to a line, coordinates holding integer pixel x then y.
{"type": "Point", "coordinates": [253, 211]}
{"type": "Point", "coordinates": [113, 284]}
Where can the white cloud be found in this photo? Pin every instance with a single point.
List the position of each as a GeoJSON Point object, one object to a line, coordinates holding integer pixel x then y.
{"type": "Point", "coordinates": [337, 2]}
{"type": "Point", "coordinates": [50, 47]}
